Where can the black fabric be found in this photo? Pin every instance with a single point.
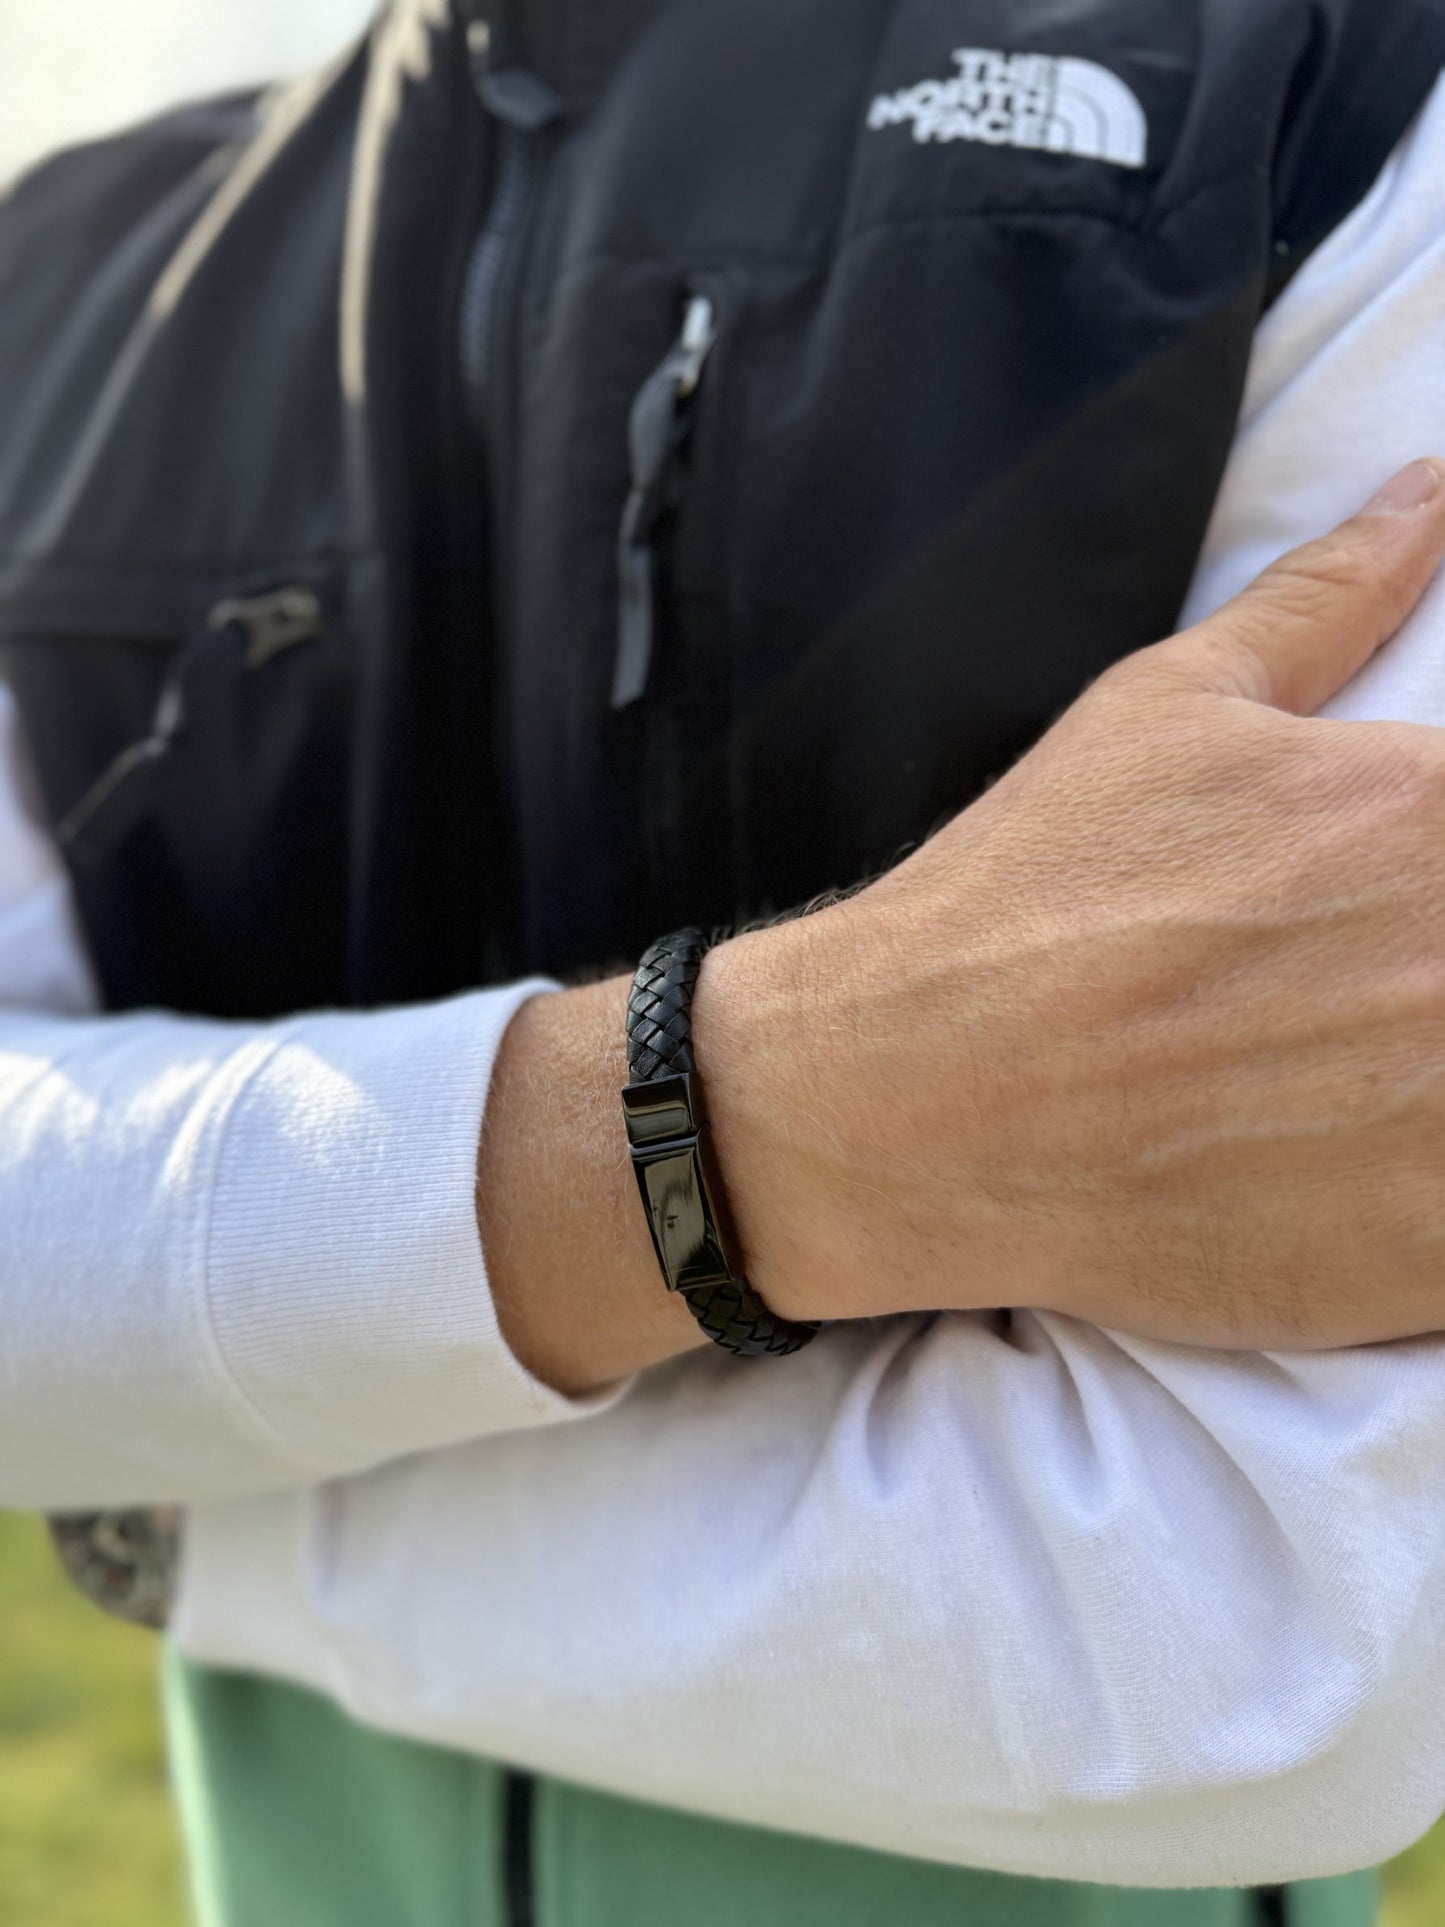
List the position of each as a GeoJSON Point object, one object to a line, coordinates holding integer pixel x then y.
{"type": "Point", "coordinates": [953, 451]}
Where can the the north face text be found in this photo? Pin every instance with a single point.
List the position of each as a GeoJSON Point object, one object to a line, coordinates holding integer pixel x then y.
{"type": "Point", "coordinates": [1060, 105]}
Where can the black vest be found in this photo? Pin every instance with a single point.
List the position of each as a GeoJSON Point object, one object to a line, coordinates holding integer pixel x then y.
{"type": "Point", "coordinates": [853, 378]}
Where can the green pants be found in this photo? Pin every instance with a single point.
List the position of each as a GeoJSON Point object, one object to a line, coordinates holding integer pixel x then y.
{"type": "Point", "coordinates": [296, 1817]}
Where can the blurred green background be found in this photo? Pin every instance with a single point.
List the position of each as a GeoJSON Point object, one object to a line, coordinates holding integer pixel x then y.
{"type": "Point", "coordinates": [86, 1833]}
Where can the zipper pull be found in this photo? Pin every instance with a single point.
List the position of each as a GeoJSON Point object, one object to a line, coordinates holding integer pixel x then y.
{"type": "Point", "coordinates": [518, 98]}
{"type": "Point", "coordinates": [121, 796]}
{"type": "Point", "coordinates": [270, 623]}
{"type": "Point", "coordinates": [656, 433]}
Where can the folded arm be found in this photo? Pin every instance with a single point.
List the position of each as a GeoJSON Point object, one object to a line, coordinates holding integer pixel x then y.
{"type": "Point", "coordinates": [1024, 1594]}
{"type": "Point", "coordinates": [1017, 1594]}
{"type": "Point", "coordinates": [235, 1256]}
{"type": "Point", "coordinates": [1009, 1590]}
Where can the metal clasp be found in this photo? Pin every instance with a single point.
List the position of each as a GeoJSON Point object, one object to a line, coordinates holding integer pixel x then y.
{"type": "Point", "coordinates": [664, 1140]}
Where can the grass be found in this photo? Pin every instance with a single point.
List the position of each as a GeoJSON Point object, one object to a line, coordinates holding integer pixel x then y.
{"type": "Point", "coordinates": [87, 1838]}
{"type": "Point", "coordinates": [86, 1833]}
{"type": "Point", "coordinates": [1415, 1885]}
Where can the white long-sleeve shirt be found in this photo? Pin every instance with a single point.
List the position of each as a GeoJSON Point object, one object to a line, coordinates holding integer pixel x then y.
{"type": "Point", "coordinates": [1043, 1598]}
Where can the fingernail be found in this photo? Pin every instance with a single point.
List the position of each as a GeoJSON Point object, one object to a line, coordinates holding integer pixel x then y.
{"type": "Point", "coordinates": [1411, 489]}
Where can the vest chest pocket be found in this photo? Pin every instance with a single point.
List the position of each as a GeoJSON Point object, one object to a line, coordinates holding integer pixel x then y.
{"type": "Point", "coordinates": [123, 794]}
{"type": "Point", "coordinates": [615, 673]}
{"type": "Point", "coordinates": [190, 757]}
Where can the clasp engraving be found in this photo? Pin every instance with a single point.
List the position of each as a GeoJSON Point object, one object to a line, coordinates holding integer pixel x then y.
{"type": "Point", "coordinates": [664, 1136]}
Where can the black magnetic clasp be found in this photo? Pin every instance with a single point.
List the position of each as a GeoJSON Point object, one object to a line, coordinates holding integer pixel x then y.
{"type": "Point", "coordinates": [666, 1131]}
{"type": "Point", "coordinates": [664, 1139]}
{"type": "Point", "coordinates": [659, 1109]}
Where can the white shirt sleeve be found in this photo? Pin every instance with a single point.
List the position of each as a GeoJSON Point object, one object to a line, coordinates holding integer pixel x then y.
{"type": "Point", "coordinates": [235, 1256]}
{"type": "Point", "coordinates": [1029, 1596]}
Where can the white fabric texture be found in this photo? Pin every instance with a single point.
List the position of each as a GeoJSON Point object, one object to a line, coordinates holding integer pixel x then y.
{"type": "Point", "coordinates": [1029, 1596]}
{"type": "Point", "coordinates": [236, 1256]}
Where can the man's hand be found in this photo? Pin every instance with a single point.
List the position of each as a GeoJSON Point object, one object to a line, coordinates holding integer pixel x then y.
{"type": "Point", "coordinates": [1153, 1033]}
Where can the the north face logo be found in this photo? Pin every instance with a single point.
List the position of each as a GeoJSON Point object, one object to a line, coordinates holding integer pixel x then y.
{"type": "Point", "coordinates": [1023, 100]}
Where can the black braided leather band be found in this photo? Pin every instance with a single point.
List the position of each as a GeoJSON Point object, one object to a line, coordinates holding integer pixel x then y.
{"type": "Point", "coordinates": [665, 1134]}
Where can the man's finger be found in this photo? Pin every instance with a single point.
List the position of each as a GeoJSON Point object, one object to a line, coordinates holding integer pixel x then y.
{"type": "Point", "coordinates": [1316, 616]}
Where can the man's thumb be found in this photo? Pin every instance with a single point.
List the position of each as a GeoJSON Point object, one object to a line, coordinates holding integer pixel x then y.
{"type": "Point", "coordinates": [1304, 627]}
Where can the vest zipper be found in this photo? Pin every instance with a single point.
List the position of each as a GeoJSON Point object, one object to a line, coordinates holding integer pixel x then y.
{"type": "Point", "coordinates": [524, 106]}
{"type": "Point", "coordinates": [657, 433]}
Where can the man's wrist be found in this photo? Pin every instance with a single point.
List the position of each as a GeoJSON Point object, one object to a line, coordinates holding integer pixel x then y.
{"type": "Point", "coordinates": [826, 1148]}
{"type": "Point", "coordinates": [773, 1024]}
{"type": "Point", "coordinates": [570, 1264]}
{"type": "Point", "coordinates": [790, 1064]}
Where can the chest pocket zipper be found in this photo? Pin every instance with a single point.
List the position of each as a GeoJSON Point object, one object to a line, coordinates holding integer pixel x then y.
{"type": "Point", "coordinates": [657, 435]}
{"type": "Point", "coordinates": [121, 795]}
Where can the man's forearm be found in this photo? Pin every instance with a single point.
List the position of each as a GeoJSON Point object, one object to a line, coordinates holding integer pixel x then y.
{"type": "Point", "coordinates": [1027, 1596]}
{"type": "Point", "coordinates": [578, 1289]}
{"type": "Point", "coordinates": [578, 1293]}
{"type": "Point", "coordinates": [241, 1256]}
{"type": "Point", "coordinates": [1119, 1041]}
{"type": "Point", "coordinates": [1136, 1044]}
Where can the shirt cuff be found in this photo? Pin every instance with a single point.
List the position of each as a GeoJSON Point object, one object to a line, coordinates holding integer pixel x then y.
{"type": "Point", "coordinates": [347, 1295]}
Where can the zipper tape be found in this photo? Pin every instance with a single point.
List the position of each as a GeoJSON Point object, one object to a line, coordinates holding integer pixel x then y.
{"type": "Point", "coordinates": [656, 435]}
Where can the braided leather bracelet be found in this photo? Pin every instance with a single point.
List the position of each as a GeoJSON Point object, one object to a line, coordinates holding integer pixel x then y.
{"type": "Point", "coordinates": [665, 1135]}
